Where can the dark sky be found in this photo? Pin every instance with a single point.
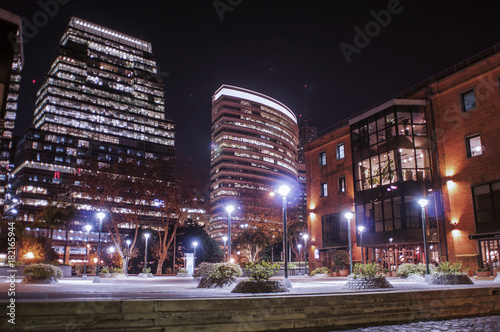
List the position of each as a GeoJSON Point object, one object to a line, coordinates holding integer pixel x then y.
{"type": "Point", "coordinates": [274, 47]}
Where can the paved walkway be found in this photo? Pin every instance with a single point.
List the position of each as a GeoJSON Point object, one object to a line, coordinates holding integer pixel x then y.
{"type": "Point", "coordinates": [478, 324]}
{"type": "Point", "coordinates": [160, 287]}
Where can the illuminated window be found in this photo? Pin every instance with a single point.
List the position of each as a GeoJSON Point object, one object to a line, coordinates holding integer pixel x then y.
{"type": "Point", "coordinates": [324, 189]}
{"type": "Point", "coordinates": [473, 145]}
{"type": "Point", "coordinates": [340, 151]}
{"type": "Point", "coordinates": [468, 101]}
{"type": "Point", "coordinates": [342, 185]}
{"type": "Point", "coordinates": [322, 158]}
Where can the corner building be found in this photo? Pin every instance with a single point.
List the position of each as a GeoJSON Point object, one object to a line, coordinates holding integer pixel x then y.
{"type": "Point", "coordinates": [436, 140]}
{"type": "Point", "coordinates": [102, 100]}
{"type": "Point", "coordinates": [254, 150]}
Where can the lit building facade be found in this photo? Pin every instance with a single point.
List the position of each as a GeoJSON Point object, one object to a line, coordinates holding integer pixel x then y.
{"type": "Point", "coordinates": [436, 141]}
{"type": "Point", "coordinates": [11, 62]}
{"type": "Point", "coordinates": [102, 100]}
{"type": "Point", "coordinates": [254, 149]}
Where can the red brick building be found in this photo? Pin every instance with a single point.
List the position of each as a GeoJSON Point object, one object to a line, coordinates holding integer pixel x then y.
{"type": "Point", "coordinates": [435, 140]}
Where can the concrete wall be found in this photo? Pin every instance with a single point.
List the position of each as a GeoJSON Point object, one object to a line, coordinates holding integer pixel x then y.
{"type": "Point", "coordinates": [255, 313]}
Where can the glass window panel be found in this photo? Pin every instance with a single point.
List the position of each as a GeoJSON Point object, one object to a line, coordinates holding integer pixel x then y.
{"type": "Point", "coordinates": [423, 158]}
{"type": "Point", "coordinates": [420, 142]}
{"type": "Point", "coordinates": [404, 118]}
{"type": "Point", "coordinates": [405, 130]}
{"type": "Point", "coordinates": [397, 224]}
{"type": "Point", "coordinates": [407, 158]}
{"type": "Point", "coordinates": [390, 123]}
{"type": "Point", "coordinates": [496, 195]}
{"type": "Point", "coordinates": [382, 135]}
{"type": "Point", "coordinates": [483, 217]}
{"type": "Point", "coordinates": [373, 139]}
{"type": "Point", "coordinates": [482, 197]}
{"type": "Point", "coordinates": [379, 226]}
{"type": "Point", "coordinates": [468, 101]}
{"type": "Point", "coordinates": [389, 225]}
{"type": "Point", "coordinates": [419, 130]}
{"type": "Point", "coordinates": [397, 207]}
{"type": "Point", "coordinates": [387, 209]}
{"type": "Point", "coordinates": [380, 122]}
{"type": "Point", "coordinates": [378, 210]}
{"type": "Point", "coordinates": [369, 212]}
{"type": "Point", "coordinates": [372, 127]}
{"type": "Point", "coordinates": [418, 117]}
{"type": "Point", "coordinates": [474, 147]}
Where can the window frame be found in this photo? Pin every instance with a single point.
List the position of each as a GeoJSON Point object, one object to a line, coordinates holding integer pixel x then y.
{"type": "Point", "coordinates": [462, 100]}
{"type": "Point", "coordinates": [324, 189]}
{"type": "Point", "coordinates": [468, 145]}
{"type": "Point", "coordinates": [342, 184]}
{"type": "Point", "coordinates": [337, 151]}
{"type": "Point", "coordinates": [322, 156]}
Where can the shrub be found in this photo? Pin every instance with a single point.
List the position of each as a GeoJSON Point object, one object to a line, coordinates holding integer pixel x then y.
{"type": "Point", "coordinates": [204, 270]}
{"type": "Point", "coordinates": [182, 271]}
{"type": "Point", "coordinates": [445, 268]}
{"type": "Point", "coordinates": [261, 271]}
{"type": "Point", "coordinates": [482, 269]}
{"type": "Point", "coordinates": [386, 270]}
{"type": "Point", "coordinates": [42, 271]}
{"type": "Point", "coordinates": [341, 259]}
{"type": "Point", "coordinates": [221, 275]}
{"type": "Point", "coordinates": [407, 269]}
{"type": "Point", "coordinates": [104, 270]}
{"type": "Point", "coordinates": [320, 270]}
{"type": "Point", "coordinates": [148, 270]}
{"type": "Point", "coordinates": [366, 271]}
{"type": "Point", "coordinates": [117, 270]}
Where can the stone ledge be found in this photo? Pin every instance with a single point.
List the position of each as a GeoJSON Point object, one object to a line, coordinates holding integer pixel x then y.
{"type": "Point", "coordinates": [367, 283]}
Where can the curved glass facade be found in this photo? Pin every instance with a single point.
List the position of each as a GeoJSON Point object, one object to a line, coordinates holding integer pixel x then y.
{"type": "Point", "coordinates": [254, 148]}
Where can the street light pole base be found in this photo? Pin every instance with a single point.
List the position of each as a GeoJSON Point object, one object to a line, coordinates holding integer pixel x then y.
{"type": "Point", "coordinates": [287, 283]}
{"type": "Point", "coordinates": [427, 278]}
{"type": "Point", "coordinates": [84, 277]}
{"type": "Point", "coordinates": [97, 280]}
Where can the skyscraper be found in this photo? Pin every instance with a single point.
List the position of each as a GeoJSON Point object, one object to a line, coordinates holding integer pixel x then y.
{"type": "Point", "coordinates": [102, 100]}
{"type": "Point", "coordinates": [254, 149]}
{"type": "Point", "coordinates": [11, 62]}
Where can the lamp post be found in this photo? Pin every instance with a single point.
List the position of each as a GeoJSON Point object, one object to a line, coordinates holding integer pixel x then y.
{"type": "Point", "coordinates": [299, 246]}
{"type": "Point", "coordinates": [128, 242]}
{"type": "Point", "coordinates": [229, 210]}
{"type": "Point", "coordinates": [101, 216]}
{"type": "Point", "coordinates": [87, 228]}
{"type": "Point", "coordinates": [348, 216]}
{"type": "Point", "coordinates": [224, 238]}
{"type": "Point", "coordinates": [361, 229]}
{"type": "Point", "coordinates": [305, 237]}
{"type": "Point", "coordinates": [423, 202]}
{"type": "Point", "coordinates": [195, 244]}
{"type": "Point", "coordinates": [284, 190]}
{"type": "Point", "coordinates": [146, 235]}
{"type": "Point", "coordinates": [111, 251]}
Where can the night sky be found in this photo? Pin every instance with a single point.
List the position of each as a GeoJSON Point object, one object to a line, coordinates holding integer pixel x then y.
{"type": "Point", "coordinates": [273, 47]}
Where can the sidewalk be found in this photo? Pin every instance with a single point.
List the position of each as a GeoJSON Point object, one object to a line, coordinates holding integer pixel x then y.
{"type": "Point", "coordinates": [162, 287]}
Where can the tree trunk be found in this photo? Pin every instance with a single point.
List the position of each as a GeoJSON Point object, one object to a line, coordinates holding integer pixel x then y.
{"type": "Point", "coordinates": [125, 265]}
{"type": "Point", "coordinates": [66, 245]}
{"type": "Point", "coordinates": [159, 268]}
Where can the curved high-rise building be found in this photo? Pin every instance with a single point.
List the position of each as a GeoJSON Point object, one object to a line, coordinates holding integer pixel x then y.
{"type": "Point", "coordinates": [254, 149]}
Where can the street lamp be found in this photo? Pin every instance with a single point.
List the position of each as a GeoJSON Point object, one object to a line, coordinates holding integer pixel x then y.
{"type": "Point", "coordinates": [229, 210]}
{"type": "Point", "coordinates": [299, 246]}
{"type": "Point", "coordinates": [423, 202]}
{"type": "Point", "coordinates": [87, 228]}
{"type": "Point", "coordinates": [146, 235]}
{"type": "Point", "coordinates": [361, 229]}
{"type": "Point", "coordinates": [128, 242]}
{"type": "Point", "coordinates": [348, 216]}
{"type": "Point", "coordinates": [284, 190]}
{"type": "Point", "coordinates": [195, 244]}
{"type": "Point", "coordinates": [305, 237]}
{"type": "Point", "coordinates": [101, 216]}
{"type": "Point", "coordinates": [224, 238]}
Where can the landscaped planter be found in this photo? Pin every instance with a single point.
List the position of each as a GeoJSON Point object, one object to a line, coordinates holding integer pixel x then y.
{"type": "Point", "coordinates": [320, 275]}
{"type": "Point", "coordinates": [344, 273]}
{"type": "Point", "coordinates": [497, 279]}
{"type": "Point", "coordinates": [394, 273]}
{"type": "Point", "coordinates": [367, 283]}
{"type": "Point", "coordinates": [335, 274]}
{"type": "Point", "coordinates": [458, 279]}
{"type": "Point", "coordinates": [39, 281]}
{"type": "Point", "coordinates": [483, 274]}
{"type": "Point", "coordinates": [145, 275]}
{"type": "Point", "coordinates": [118, 276]}
{"type": "Point", "coordinates": [254, 287]}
